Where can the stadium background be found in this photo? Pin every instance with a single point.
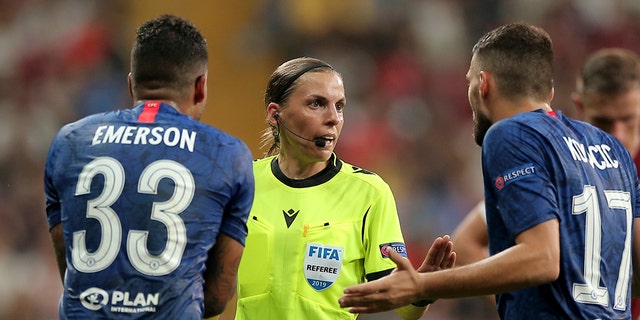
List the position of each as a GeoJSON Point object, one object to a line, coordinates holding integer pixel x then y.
{"type": "Point", "coordinates": [407, 116]}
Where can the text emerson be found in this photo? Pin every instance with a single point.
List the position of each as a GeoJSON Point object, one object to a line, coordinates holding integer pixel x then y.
{"type": "Point", "coordinates": [171, 136]}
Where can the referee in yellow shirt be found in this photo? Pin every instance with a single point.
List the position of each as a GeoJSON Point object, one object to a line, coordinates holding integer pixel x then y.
{"type": "Point", "coordinates": [318, 224]}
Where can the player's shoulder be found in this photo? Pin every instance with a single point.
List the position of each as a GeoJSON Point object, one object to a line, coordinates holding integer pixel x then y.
{"type": "Point", "coordinates": [525, 127]}
{"type": "Point", "coordinates": [209, 137]}
{"type": "Point", "coordinates": [222, 137]}
{"type": "Point", "coordinates": [521, 120]}
{"type": "Point", "coordinates": [87, 121]}
{"type": "Point", "coordinates": [359, 174]}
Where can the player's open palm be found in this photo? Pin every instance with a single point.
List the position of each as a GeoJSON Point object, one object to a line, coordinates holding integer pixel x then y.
{"type": "Point", "coordinates": [440, 255]}
{"type": "Point", "coordinates": [402, 286]}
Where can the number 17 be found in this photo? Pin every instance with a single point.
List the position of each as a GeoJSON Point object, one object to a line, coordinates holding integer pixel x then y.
{"type": "Point", "coordinates": [591, 292]}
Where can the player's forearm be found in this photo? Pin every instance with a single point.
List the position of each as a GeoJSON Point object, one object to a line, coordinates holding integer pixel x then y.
{"type": "Point", "coordinates": [59, 249]}
{"type": "Point", "coordinates": [529, 268]}
{"type": "Point", "coordinates": [221, 274]}
{"type": "Point", "coordinates": [213, 306]}
{"type": "Point", "coordinates": [468, 252]}
{"type": "Point", "coordinates": [219, 291]}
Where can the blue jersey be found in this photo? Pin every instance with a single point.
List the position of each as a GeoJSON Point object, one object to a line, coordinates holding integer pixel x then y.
{"type": "Point", "coordinates": [538, 167]}
{"type": "Point", "coordinates": [142, 195]}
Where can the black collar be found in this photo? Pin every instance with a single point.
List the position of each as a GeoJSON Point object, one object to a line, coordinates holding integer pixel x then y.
{"type": "Point", "coordinates": [317, 179]}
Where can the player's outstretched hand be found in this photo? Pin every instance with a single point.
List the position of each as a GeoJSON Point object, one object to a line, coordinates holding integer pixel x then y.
{"type": "Point", "coordinates": [440, 255]}
{"type": "Point", "coordinates": [402, 286]}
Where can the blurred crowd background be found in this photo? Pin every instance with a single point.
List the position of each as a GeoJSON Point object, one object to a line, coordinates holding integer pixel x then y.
{"type": "Point", "coordinates": [407, 116]}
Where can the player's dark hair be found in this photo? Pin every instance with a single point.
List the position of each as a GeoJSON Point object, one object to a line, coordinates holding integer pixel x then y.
{"type": "Point", "coordinates": [610, 72]}
{"type": "Point", "coordinates": [169, 52]}
{"type": "Point", "coordinates": [280, 86]}
{"type": "Point", "coordinates": [520, 56]}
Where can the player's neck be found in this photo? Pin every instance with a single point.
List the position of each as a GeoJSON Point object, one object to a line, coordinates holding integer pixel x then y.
{"type": "Point", "coordinates": [169, 102]}
{"type": "Point", "coordinates": [509, 109]}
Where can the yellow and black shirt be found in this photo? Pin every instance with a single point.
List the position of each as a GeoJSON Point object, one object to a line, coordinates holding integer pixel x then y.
{"type": "Point", "coordinates": [309, 239]}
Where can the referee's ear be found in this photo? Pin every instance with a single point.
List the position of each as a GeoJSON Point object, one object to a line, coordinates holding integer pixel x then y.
{"type": "Point", "coordinates": [273, 113]}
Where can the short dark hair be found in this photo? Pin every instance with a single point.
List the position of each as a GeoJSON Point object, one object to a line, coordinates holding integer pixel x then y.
{"type": "Point", "coordinates": [169, 52]}
{"type": "Point", "coordinates": [520, 56]}
{"type": "Point", "coordinates": [609, 72]}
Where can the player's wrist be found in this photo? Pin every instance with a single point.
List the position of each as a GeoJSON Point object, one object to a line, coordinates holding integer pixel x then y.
{"type": "Point", "coordinates": [423, 292]}
{"type": "Point", "coordinates": [423, 303]}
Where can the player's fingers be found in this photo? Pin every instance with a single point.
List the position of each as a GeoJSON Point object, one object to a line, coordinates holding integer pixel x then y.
{"type": "Point", "coordinates": [354, 292]}
{"type": "Point", "coordinates": [373, 302]}
{"type": "Point", "coordinates": [433, 253]}
{"type": "Point", "coordinates": [439, 251]}
{"type": "Point", "coordinates": [400, 261]}
{"type": "Point", "coordinates": [452, 260]}
{"type": "Point", "coordinates": [366, 309]}
{"type": "Point", "coordinates": [446, 255]}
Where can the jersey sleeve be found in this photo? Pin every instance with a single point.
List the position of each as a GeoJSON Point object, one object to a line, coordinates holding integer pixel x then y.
{"type": "Point", "coordinates": [52, 198]}
{"type": "Point", "coordinates": [234, 221]}
{"type": "Point", "coordinates": [636, 212]}
{"type": "Point", "coordinates": [382, 229]}
{"type": "Point", "coordinates": [517, 181]}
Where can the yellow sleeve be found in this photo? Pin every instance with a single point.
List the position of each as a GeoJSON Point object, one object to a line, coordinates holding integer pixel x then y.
{"type": "Point", "coordinates": [382, 228]}
{"type": "Point", "coordinates": [411, 312]}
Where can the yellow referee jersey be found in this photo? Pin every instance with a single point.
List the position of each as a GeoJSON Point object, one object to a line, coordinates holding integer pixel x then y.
{"type": "Point", "coordinates": [309, 239]}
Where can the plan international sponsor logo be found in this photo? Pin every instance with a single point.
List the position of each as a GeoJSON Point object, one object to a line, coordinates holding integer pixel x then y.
{"type": "Point", "coordinates": [120, 301]}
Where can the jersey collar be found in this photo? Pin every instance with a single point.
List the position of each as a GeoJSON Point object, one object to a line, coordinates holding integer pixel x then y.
{"type": "Point", "coordinates": [319, 178]}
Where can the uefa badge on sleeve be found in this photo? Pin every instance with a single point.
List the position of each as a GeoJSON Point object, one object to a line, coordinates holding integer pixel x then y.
{"type": "Point", "coordinates": [322, 265]}
{"type": "Point", "coordinates": [398, 247]}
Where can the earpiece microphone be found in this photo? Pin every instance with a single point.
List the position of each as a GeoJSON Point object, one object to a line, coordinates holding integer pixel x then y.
{"type": "Point", "coordinates": [319, 142]}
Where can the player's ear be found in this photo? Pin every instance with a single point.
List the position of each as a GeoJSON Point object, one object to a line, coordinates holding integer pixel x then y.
{"type": "Point", "coordinates": [485, 83]}
{"type": "Point", "coordinates": [130, 84]}
{"type": "Point", "coordinates": [200, 92]}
